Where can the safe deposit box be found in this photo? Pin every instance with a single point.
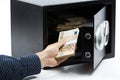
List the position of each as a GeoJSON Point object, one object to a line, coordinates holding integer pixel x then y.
{"type": "Point", "coordinates": [34, 25]}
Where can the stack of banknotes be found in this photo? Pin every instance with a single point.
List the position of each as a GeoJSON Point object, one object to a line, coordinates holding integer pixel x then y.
{"type": "Point", "coordinates": [71, 37]}
{"type": "Point", "coordinates": [72, 23]}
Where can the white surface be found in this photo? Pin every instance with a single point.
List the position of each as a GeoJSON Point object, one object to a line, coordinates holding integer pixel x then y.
{"type": "Point", "coordinates": [5, 34]}
{"type": "Point", "coordinates": [52, 2]}
{"type": "Point", "coordinates": [108, 70]}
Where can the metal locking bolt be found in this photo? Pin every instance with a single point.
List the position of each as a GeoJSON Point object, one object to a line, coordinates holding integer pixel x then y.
{"type": "Point", "coordinates": [88, 36]}
{"type": "Point", "coordinates": [87, 54]}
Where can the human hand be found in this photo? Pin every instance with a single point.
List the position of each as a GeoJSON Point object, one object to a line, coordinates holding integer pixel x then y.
{"type": "Point", "coordinates": [47, 56]}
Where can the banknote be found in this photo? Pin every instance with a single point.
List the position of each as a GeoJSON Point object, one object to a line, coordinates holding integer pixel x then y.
{"type": "Point", "coordinates": [68, 49]}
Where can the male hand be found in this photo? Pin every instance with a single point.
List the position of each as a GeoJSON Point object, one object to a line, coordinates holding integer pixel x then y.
{"type": "Point", "coordinates": [47, 56]}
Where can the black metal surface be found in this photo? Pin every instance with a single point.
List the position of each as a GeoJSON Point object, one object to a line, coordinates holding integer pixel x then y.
{"type": "Point", "coordinates": [26, 28]}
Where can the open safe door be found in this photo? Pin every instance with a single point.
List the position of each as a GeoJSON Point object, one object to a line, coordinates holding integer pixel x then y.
{"type": "Point", "coordinates": [101, 36]}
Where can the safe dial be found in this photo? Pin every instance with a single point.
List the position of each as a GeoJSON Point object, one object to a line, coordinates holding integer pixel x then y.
{"type": "Point", "coordinates": [102, 35]}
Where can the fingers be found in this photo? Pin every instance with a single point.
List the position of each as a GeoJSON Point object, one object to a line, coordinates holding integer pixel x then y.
{"type": "Point", "coordinates": [61, 60]}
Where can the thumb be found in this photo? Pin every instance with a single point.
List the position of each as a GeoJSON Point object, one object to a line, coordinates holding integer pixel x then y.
{"type": "Point", "coordinates": [61, 43]}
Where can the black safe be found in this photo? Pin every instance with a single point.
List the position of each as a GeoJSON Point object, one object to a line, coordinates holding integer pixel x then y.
{"type": "Point", "coordinates": [34, 26]}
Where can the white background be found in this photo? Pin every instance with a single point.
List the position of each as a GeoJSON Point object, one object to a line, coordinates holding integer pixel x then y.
{"type": "Point", "coordinates": [108, 70]}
